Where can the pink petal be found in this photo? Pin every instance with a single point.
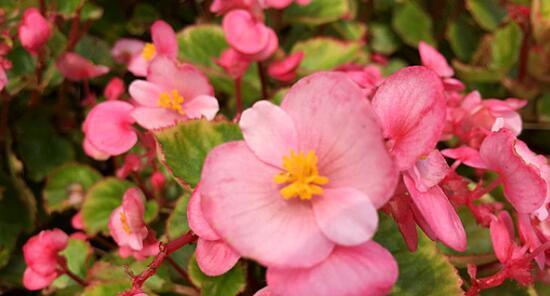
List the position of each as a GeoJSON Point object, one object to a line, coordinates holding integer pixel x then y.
{"type": "Point", "coordinates": [432, 59]}
{"type": "Point", "coordinates": [139, 66]}
{"type": "Point", "coordinates": [184, 78]}
{"type": "Point", "coordinates": [35, 281]}
{"type": "Point", "coordinates": [156, 118]}
{"type": "Point", "coordinates": [164, 39]}
{"type": "Point", "coordinates": [429, 171]}
{"type": "Point", "coordinates": [277, 4]}
{"type": "Point", "coordinates": [34, 30]}
{"type": "Point", "coordinates": [523, 185]}
{"type": "Point", "coordinates": [132, 204]}
{"type": "Point", "coordinates": [114, 89]}
{"type": "Point", "coordinates": [109, 127]}
{"type": "Point", "coordinates": [215, 257]}
{"type": "Point", "coordinates": [93, 152]}
{"type": "Point", "coordinates": [400, 207]}
{"type": "Point", "coordinates": [411, 106]}
{"type": "Point", "coordinates": [75, 67]}
{"type": "Point", "coordinates": [263, 292]}
{"type": "Point", "coordinates": [280, 70]}
{"type": "Point", "coordinates": [244, 33]}
{"type": "Point", "coordinates": [530, 238]}
{"type": "Point", "coordinates": [439, 214]}
{"type": "Point", "coordinates": [196, 219]}
{"type": "Point", "coordinates": [466, 155]}
{"type": "Point", "coordinates": [269, 49]}
{"type": "Point", "coordinates": [125, 49]}
{"type": "Point", "coordinates": [333, 118]}
{"type": "Point", "coordinates": [269, 132]}
{"type": "Point", "coordinates": [346, 216]}
{"type": "Point", "coordinates": [451, 84]}
{"type": "Point", "coordinates": [242, 203]}
{"type": "Point", "coordinates": [201, 106]}
{"type": "Point", "coordinates": [145, 93]}
{"type": "Point", "coordinates": [41, 251]}
{"type": "Point", "coordinates": [3, 78]}
{"type": "Point", "coordinates": [501, 237]}
{"type": "Point", "coordinates": [367, 269]}
{"type": "Point", "coordinates": [233, 62]}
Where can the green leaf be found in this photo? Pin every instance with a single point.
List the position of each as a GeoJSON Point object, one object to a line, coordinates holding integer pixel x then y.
{"type": "Point", "coordinates": [230, 283]}
{"type": "Point", "coordinates": [323, 53]}
{"type": "Point", "coordinates": [350, 30]}
{"type": "Point", "coordinates": [102, 289]}
{"type": "Point", "coordinates": [424, 272]}
{"type": "Point", "coordinates": [66, 186]}
{"type": "Point", "coordinates": [67, 8]}
{"type": "Point", "coordinates": [463, 37]}
{"type": "Point", "coordinates": [201, 45]}
{"type": "Point", "coordinates": [177, 224]}
{"type": "Point", "coordinates": [95, 49]}
{"type": "Point", "coordinates": [487, 13]}
{"type": "Point", "coordinates": [509, 288]}
{"type": "Point", "coordinates": [383, 39]}
{"type": "Point", "coordinates": [317, 12]}
{"type": "Point", "coordinates": [506, 46]}
{"type": "Point", "coordinates": [412, 24]}
{"type": "Point", "coordinates": [91, 11]}
{"type": "Point", "coordinates": [100, 201]}
{"type": "Point", "coordinates": [79, 258]}
{"type": "Point", "coordinates": [185, 146]}
{"type": "Point", "coordinates": [151, 211]}
{"type": "Point", "coordinates": [469, 73]}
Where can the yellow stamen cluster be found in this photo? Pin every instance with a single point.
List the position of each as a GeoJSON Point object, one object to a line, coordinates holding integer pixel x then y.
{"type": "Point", "coordinates": [171, 100]}
{"type": "Point", "coordinates": [124, 222]}
{"type": "Point", "coordinates": [302, 176]}
{"type": "Point", "coordinates": [149, 51]}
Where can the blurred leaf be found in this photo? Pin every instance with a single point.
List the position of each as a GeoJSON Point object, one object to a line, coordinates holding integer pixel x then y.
{"type": "Point", "coordinates": [412, 24]}
{"type": "Point", "coordinates": [66, 186]}
{"type": "Point", "coordinates": [544, 106]}
{"type": "Point", "coordinates": [350, 30]}
{"type": "Point", "coordinates": [22, 62]}
{"type": "Point", "coordinates": [100, 201]}
{"type": "Point", "coordinates": [40, 147]}
{"type": "Point", "coordinates": [463, 37]}
{"type": "Point", "coordinates": [508, 288]}
{"type": "Point", "coordinates": [142, 17]}
{"type": "Point", "coordinates": [317, 12]}
{"type": "Point", "coordinates": [540, 20]}
{"type": "Point", "coordinates": [91, 11]}
{"type": "Point", "coordinates": [95, 49]}
{"type": "Point", "coordinates": [382, 39]}
{"type": "Point", "coordinates": [469, 73]}
{"type": "Point", "coordinates": [79, 258]}
{"type": "Point", "coordinates": [393, 65]}
{"type": "Point", "coordinates": [324, 53]}
{"type": "Point", "coordinates": [184, 147]}
{"type": "Point", "coordinates": [506, 46]}
{"type": "Point", "coordinates": [177, 224]}
{"type": "Point", "coordinates": [487, 13]}
{"type": "Point", "coordinates": [103, 289]}
{"type": "Point", "coordinates": [151, 211]}
{"type": "Point", "coordinates": [424, 272]}
{"type": "Point", "coordinates": [230, 283]}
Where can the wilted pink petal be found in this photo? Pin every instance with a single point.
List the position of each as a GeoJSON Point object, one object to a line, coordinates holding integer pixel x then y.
{"type": "Point", "coordinates": [76, 68]}
{"type": "Point", "coordinates": [34, 30]}
{"type": "Point", "coordinates": [429, 171]}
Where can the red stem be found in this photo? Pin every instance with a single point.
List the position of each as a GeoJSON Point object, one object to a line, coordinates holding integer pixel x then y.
{"type": "Point", "coordinates": [524, 55]}
{"type": "Point", "coordinates": [62, 266]}
{"type": "Point", "coordinates": [263, 81]}
{"type": "Point", "coordinates": [238, 98]}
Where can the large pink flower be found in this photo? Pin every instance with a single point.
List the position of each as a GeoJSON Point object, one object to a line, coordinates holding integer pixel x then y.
{"type": "Point", "coordinates": [41, 255]}
{"type": "Point", "coordinates": [172, 93]}
{"type": "Point", "coordinates": [302, 180]}
{"type": "Point", "coordinates": [34, 30]}
{"type": "Point", "coordinates": [126, 222]}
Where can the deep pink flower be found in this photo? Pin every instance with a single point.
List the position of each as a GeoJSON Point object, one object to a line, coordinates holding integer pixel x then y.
{"type": "Point", "coordinates": [523, 173]}
{"type": "Point", "coordinates": [502, 237]}
{"type": "Point", "coordinates": [249, 36]}
{"type": "Point", "coordinates": [114, 89]}
{"type": "Point", "coordinates": [530, 238]}
{"type": "Point", "coordinates": [76, 68]}
{"type": "Point", "coordinates": [41, 255]}
{"type": "Point", "coordinates": [234, 63]}
{"type": "Point", "coordinates": [285, 69]}
{"type": "Point", "coordinates": [158, 180]}
{"type": "Point", "coordinates": [34, 30]}
{"type": "Point", "coordinates": [172, 93]}
{"type": "Point", "coordinates": [223, 6]}
{"type": "Point", "coordinates": [302, 179]}
{"type": "Point", "coordinates": [108, 130]}
{"type": "Point", "coordinates": [126, 223]}
{"type": "Point", "coordinates": [214, 256]}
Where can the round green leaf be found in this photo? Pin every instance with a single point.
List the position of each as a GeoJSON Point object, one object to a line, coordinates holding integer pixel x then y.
{"type": "Point", "coordinates": [317, 12]}
{"type": "Point", "coordinates": [487, 13]}
{"type": "Point", "coordinates": [506, 46]}
{"type": "Point", "coordinates": [412, 24]}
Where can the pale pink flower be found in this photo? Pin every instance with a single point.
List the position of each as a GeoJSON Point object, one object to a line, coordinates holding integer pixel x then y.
{"type": "Point", "coordinates": [77, 68]}
{"type": "Point", "coordinates": [34, 30]}
{"type": "Point", "coordinates": [126, 223]}
{"type": "Point", "coordinates": [234, 63]}
{"type": "Point", "coordinates": [41, 255]}
{"type": "Point", "coordinates": [172, 93]}
{"type": "Point", "coordinates": [108, 130]}
{"type": "Point", "coordinates": [114, 89]}
{"type": "Point", "coordinates": [302, 179]}
{"type": "Point", "coordinates": [466, 155]}
{"type": "Point", "coordinates": [285, 69]}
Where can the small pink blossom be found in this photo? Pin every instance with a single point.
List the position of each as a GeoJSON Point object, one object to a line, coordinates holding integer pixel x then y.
{"type": "Point", "coordinates": [34, 30]}
{"type": "Point", "coordinates": [108, 130]}
{"type": "Point", "coordinates": [41, 255]}
{"type": "Point", "coordinates": [234, 63]}
{"type": "Point", "coordinates": [285, 69]}
{"type": "Point", "coordinates": [126, 222]}
{"type": "Point", "coordinates": [76, 221]}
{"type": "Point", "coordinates": [132, 164]}
{"type": "Point", "coordinates": [114, 89]}
{"type": "Point", "coordinates": [77, 68]}
{"type": "Point", "coordinates": [158, 181]}
{"type": "Point", "coordinates": [172, 92]}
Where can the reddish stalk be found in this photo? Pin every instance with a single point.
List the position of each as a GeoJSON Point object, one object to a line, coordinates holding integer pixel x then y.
{"type": "Point", "coordinates": [480, 191]}
{"type": "Point", "coordinates": [263, 81]}
{"type": "Point", "coordinates": [62, 266]}
{"type": "Point", "coordinates": [524, 55]}
{"type": "Point", "coordinates": [238, 97]}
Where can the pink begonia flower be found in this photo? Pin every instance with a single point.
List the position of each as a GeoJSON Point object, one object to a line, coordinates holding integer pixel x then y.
{"type": "Point", "coordinates": [132, 163]}
{"type": "Point", "coordinates": [223, 6]}
{"type": "Point", "coordinates": [365, 269]}
{"type": "Point", "coordinates": [77, 68]}
{"type": "Point", "coordinates": [502, 237]}
{"type": "Point", "coordinates": [126, 223]}
{"type": "Point", "coordinates": [302, 179]}
{"type": "Point", "coordinates": [114, 89]}
{"type": "Point", "coordinates": [249, 36]}
{"type": "Point", "coordinates": [150, 248]}
{"type": "Point", "coordinates": [263, 292]}
{"type": "Point", "coordinates": [214, 256]}
{"type": "Point", "coordinates": [285, 69]}
{"type": "Point", "coordinates": [108, 130]}
{"type": "Point", "coordinates": [523, 174]}
{"type": "Point", "coordinates": [34, 30]}
{"type": "Point", "coordinates": [41, 255]}
{"type": "Point", "coordinates": [234, 63]}
{"type": "Point", "coordinates": [129, 52]}
{"type": "Point", "coordinates": [172, 93]}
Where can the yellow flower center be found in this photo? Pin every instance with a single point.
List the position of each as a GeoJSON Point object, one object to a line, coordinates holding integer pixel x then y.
{"type": "Point", "coordinates": [171, 100]}
{"type": "Point", "coordinates": [302, 176]}
{"type": "Point", "coordinates": [149, 51]}
{"type": "Point", "coordinates": [124, 222]}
